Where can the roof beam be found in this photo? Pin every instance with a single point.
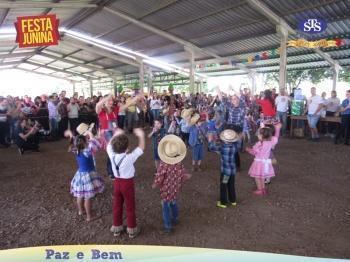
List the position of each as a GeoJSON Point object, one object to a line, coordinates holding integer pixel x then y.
{"type": "Point", "coordinates": [39, 73]}
{"type": "Point", "coordinates": [99, 51]}
{"type": "Point", "coordinates": [93, 68]}
{"type": "Point", "coordinates": [10, 63]}
{"type": "Point", "coordinates": [187, 45]}
{"type": "Point", "coordinates": [36, 4]}
{"type": "Point", "coordinates": [57, 70]}
{"type": "Point", "coordinates": [15, 55]}
{"type": "Point", "coordinates": [279, 21]}
{"type": "Point", "coordinates": [150, 13]}
{"type": "Point", "coordinates": [188, 21]}
{"type": "Point", "coordinates": [161, 32]}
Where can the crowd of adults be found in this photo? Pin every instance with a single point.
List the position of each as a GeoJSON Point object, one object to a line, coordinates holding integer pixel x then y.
{"type": "Point", "coordinates": [26, 121]}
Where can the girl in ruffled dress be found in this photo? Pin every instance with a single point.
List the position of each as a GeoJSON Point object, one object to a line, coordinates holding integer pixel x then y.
{"type": "Point", "coordinates": [262, 167]}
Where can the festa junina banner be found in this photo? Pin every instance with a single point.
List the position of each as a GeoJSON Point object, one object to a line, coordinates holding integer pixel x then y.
{"type": "Point", "coordinates": [37, 30]}
{"type": "Point", "coordinates": [312, 44]}
{"type": "Point", "coordinates": [84, 253]}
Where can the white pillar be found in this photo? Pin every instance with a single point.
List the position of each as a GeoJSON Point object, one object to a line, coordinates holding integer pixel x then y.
{"type": "Point", "coordinates": [141, 76]}
{"type": "Point", "coordinates": [201, 85]}
{"type": "Point", "coordinates": [91, 88]}
{"type": "Point", "coordinates": [74, 83]}
{"type": "Point", "coordinates": [192, 83]}
{"type": "Point", "coordinates": [335, 76]}
{"type": "Point", "coordinates": [150, 81]}
{"type": "Point", "coordinates": [283, 56]}
{"type": "Point", "coordinates": [252, 76]}
{"type": "Point", "coordinates": [113, 87]}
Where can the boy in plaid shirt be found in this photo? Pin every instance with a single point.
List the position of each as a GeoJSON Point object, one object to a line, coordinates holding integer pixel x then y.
{"type": "Point", "coordinates": [227, 149]}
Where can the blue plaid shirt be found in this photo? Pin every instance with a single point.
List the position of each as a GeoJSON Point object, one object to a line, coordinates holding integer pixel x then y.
{"type": "Point", "coordinates": [236, 115]}
{"type": "Point", "coordinates": [227, 152]}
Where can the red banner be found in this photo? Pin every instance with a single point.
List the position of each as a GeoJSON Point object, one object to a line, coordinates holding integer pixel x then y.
{"type": "Point", "coordinates": [37, 30]}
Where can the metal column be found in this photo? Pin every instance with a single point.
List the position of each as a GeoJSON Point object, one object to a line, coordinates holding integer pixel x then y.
{"type": "Point", "coordinates": [141, 76]}
{"type": "Point", "coordinates": [150, 81]}
{"type": "Point", "coordinates": [192, 83]}
{"type": "Point", "coordinates": [335, 76]}
{"type": "Point", "coordinates": [252, 77]}
{"type": "Point", "coordinates": [283, 32]}
{"type": "Point", "coordinates": [91, 88]}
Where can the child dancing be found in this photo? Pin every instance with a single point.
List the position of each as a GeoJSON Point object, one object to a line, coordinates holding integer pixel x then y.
{"type": "Point", "coordinates": [86, 183]}
{"type": "Point", "coordinates": [124, 173]}
{"type": "Point", "coordinates": [262, 167]}
{"type": "Point", "coordinates": [227, 149]}
{"type": "Point", "coordinates": [170, 176]}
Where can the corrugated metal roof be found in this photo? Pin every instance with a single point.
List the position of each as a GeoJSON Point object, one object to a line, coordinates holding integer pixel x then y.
{"type": "Point", "coordinates": [225, 27]}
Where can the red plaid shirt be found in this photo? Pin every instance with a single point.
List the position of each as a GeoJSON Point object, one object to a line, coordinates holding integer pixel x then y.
{"type": "Point", "coordinates": [169, 178]}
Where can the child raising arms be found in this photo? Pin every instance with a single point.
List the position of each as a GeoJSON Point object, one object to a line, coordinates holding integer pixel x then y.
{"type": "Point", "coordinates": [262, 167]}
{"type": "Point", "coordinates": [86, 182]}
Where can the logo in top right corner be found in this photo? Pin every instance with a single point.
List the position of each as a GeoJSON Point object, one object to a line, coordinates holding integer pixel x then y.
{"type": "Point", "coordinates": [312, 25]}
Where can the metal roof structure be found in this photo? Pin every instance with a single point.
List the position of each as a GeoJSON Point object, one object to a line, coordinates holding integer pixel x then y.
{"type": "Point", "coordinates": [118, 34]}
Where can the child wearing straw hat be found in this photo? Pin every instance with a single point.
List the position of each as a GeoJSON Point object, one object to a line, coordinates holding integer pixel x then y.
{"type": "Point", "coordinates": [227, 148]}
{"type": "Point", "coordinates": [86, 183]}
{"type": "Point", "coordinates": [196, 141]}
{"type": "Point", "coordinates": [170, 176]}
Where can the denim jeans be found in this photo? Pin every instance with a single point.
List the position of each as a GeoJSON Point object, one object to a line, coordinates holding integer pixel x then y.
{"type": "Point", "coordinates": [282, 117]}
{"type": "Point", "coordinates": [54, 127]}
{"type": "Point", "coordinates": [155, 114]}
{"type": "Point", "coordinates": [170, 213]}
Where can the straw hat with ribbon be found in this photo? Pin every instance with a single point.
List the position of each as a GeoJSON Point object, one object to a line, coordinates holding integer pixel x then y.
{"type": "Point", "coordinates": [83, 128]}
{"type": "Point", "coordinates": [171, 149]}
{"type": "Point", "coordinates": [229, 136]}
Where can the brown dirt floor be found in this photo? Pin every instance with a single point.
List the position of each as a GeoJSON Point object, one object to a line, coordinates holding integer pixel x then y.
{"type": "Point", "coordinates": [306, 213]}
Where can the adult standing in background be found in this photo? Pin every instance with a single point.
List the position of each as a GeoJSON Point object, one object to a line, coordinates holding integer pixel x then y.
{"type": "Point", "coordinates": [53, 115]}
{"type": "Point", "coordinates": [73, 115]}
{"type": "Point", "coordinates": [332, 107]}
{"type": "Point", "coordinates": [62, 110]}
{"type": "Point", "coordinates": [107, 112]}
{"type": "Point", "coordinates": [345, 121]}
{"type": "Point", "coordinates": [314, 106]}
{"type": "Point", "coordinates": [282, 102]}
{"type": "Point", "coordinates": [156, 106]}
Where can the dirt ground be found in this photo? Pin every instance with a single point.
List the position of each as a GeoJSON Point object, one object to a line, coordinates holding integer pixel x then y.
{"type": "Point", "coordinates": [306, 213]}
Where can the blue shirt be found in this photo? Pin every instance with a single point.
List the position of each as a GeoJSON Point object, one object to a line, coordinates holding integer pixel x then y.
{"type": "Point", "coordinates": [85, 161]}
{"type": "Point", "coordinates": [196, 136]}
{"type": "Point", "coordinates": [227, 152]}
{"type": "Point", "coordinates": [344, 104]}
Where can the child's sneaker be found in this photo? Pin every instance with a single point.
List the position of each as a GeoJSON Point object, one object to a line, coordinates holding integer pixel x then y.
{"type": "Point", "coordinates": [234, 204]}
{"type": "Point", "coordinates": [193, 169]}
{"type": "Point", "coordinates": [134, 232]}
{"type": "Point", "coordinates": [116, 230]}
{"type": "Point", "coordinates": [218, 204]}
{"type": "Point", "coordinates": [267, 180]}
{"type": "Point", "coordinates": [199, 169]}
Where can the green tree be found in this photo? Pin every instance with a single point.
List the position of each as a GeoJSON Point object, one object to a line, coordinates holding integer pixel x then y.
{"type": "Point", "coordinates": [316, 76]}
{"type": "Point", "coordinates": [294, 78]}
{"type": "Point", "coordinates": [344, 75]}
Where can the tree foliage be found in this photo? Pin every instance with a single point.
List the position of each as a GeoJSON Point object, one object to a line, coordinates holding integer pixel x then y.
{"type": "Point", "coordinates": [315, 76]}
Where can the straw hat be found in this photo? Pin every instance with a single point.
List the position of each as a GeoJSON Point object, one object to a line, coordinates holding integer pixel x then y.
{"type": "Point", "coordinates": [171, 149]}
{"type": "Point", "coordinates": [229, 136]}
{"type": "Point", "coordinates": [194, 119]}
{"type": "Point", "coordinates": [186, 113]}
{"type": "Point", "coordinates": [83, 128]}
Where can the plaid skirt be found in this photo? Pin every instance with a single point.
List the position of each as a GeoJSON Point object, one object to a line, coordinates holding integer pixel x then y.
{"type": "Point", "coordinates": [86, 184]}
